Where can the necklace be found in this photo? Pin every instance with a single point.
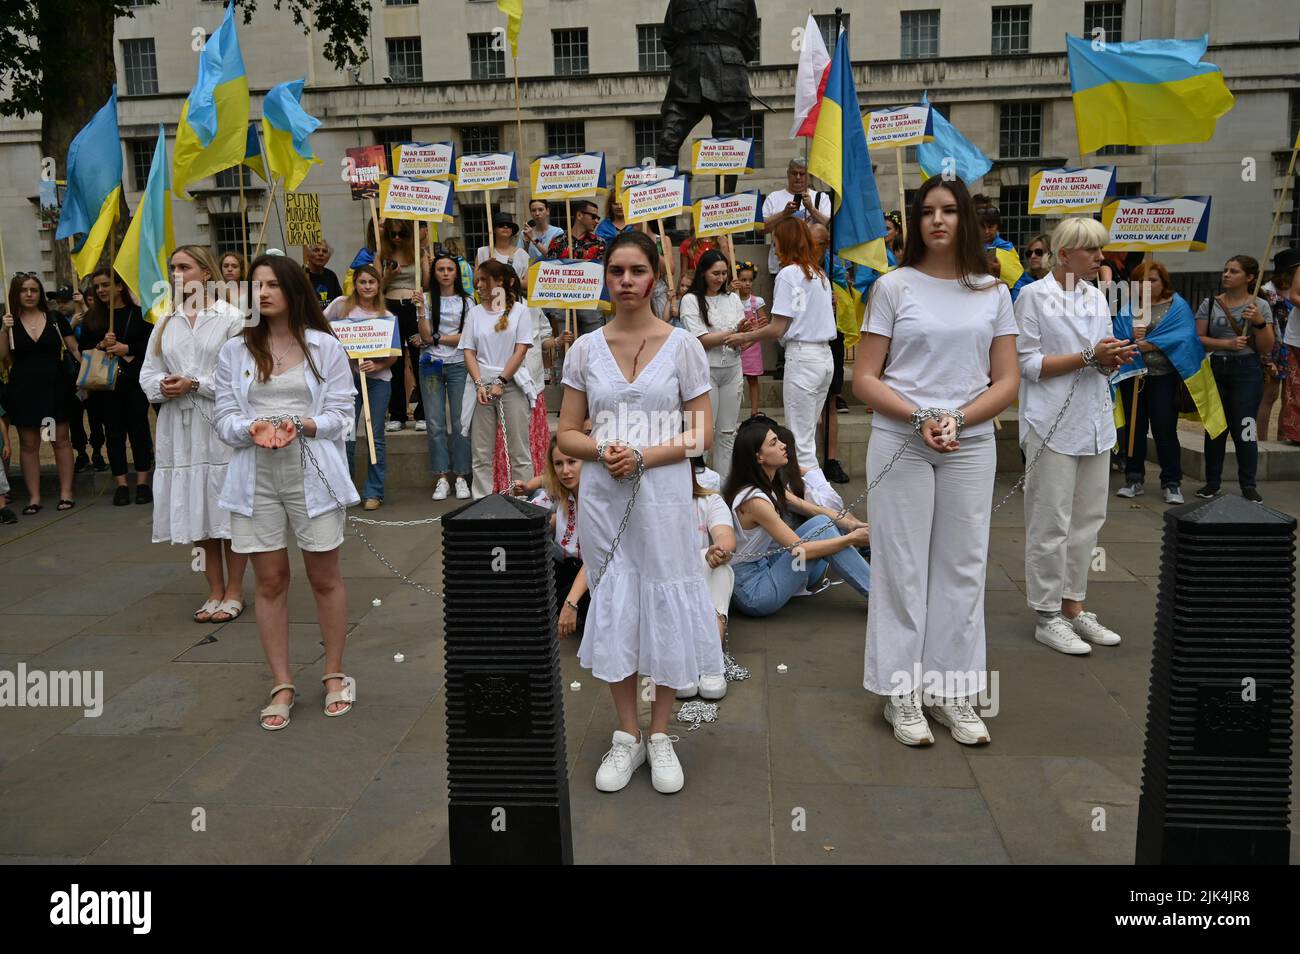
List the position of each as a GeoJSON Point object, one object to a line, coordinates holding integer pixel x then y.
{"type": "Point", "coordinates": [280, 360]}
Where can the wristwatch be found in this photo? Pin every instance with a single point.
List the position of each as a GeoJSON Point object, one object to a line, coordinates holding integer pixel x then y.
{"type": "Point", "coordinates": [572, 605]}
{"type": "Point", "coordinates": [194, 384]}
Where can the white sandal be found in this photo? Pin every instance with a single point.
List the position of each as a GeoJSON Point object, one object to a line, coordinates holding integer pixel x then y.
{"type": "Point", "coordinates": [232, 608]}
{"type": "Point", "coordinates": [210, 607]}
{"type": "Point", "coordinates": [277, 709]}
{"type": "Point", "coordinates": [347, 694]}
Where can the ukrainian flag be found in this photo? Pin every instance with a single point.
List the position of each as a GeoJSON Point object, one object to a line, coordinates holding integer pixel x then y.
{"type": "Point", "coordinates": [142, 262]}
{"type": "Point", "coordinates": [514, 11]}
{"type": "Point", "coordinates": [94, 194]}
{"type": "Point", "coordinates": [839, 158]}
{"type": "Point", "coordinates": [212, 134]}
{"type": "Point", "coordinates": [286, 126]}
{"type": "Point", "coordinates": [1144, 93]}
{"type": "Point", "coordinates": [949, 143]}
{"type": "Point", "coordinates": [253, 154]}
{"type": "Point", "coordinates": [1176, 337]}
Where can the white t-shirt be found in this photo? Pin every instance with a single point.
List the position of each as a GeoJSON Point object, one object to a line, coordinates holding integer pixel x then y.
{"type": "Point", "coordinates": [710, 511]}
{"type": "Point", "coordinates": [337, 310]}
{"type": "Point", "coordinates": [540, 327]}
{"type": "Point", "coordinates": [807, 303]}
{"type": "Point", "coordinates": [725, 314]}
{"type": "Point", "coordinates": [940, 335]}
{"type": "Point", "coordinates": [492, 347]}
{"type": "Point", "coordinates": [708, 479]}
{"type": "Point", "coordinates": [749, 543]}
{"type": "Point", "coordinates": [776, 202]}
{"type": "Point", "coordinates": [517, 259]}
{"type": "Point", "coordinates": [449, 314]}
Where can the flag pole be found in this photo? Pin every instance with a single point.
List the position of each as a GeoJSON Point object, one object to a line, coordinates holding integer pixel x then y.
{"type": "Point", "coordinates": [570, 321]}
{"type": "Point", "coordinates": [902, 202]}
{"type": "Point", "coordinates": [243, 212]}
{"type": "Point", "coordinates": [4, 273]}
{"type": "Point", "coordinates": [266, 219]}
{"type": "Point", "coordinates": [519, 118]}
{"type": "Point", "coordinates": [1277, 214]}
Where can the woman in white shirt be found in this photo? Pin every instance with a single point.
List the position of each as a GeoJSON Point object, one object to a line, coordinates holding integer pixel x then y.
{"type": "Point", "coordinates": [937, 361]}
{"type": "Point", "coordinates": [284, 390]}
{"type": "Point", "coordinates": [804, 319]}
{"type": "Point", "coordinates": [179, 373]}
{"type": "Point", "coordinates": [503, 247]}
{"type": "Point", "coordinates": [497, 335]}
{"type": "Point", "coordinates": [1066, 343]}
{"type": "Point", "coordinates": [442, 378]}
{"type": "Point", "coordinates": [711, 313]}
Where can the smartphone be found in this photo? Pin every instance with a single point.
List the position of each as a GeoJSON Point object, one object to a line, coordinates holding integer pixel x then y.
{"type": "Point", "coordinates": [532, 224]}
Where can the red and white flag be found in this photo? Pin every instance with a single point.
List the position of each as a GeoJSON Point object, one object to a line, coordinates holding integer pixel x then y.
{"type": "Point", "coordinates": [810, 81]}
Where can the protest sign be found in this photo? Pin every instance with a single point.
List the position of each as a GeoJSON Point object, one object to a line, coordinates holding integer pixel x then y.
{"type": "Point", "coordinates": [423, 199]}
{"type": "Point", "coordinates": [479, 173]}
{"type": "Point", "coordinates": [424, 160]}
{"type": "Point", "coordinates": [655, 200]}
{"type": "Point", "coordinates": [566, 283]}
{"type": "Point", "coordinates": [1053, 191]}
{"type": "Point", "coordinates": [1179, 223]}
{"type": "Point", "coordinates": [725, 214]}
{"type": "Point", "coordinates": [366, 165]}
{"type": "Point", "coordinates": [630, 176]}
{"type": "Point", "coordinates": [367, 337]}
{"type": "Point", "coordinates": [569, 176]}
{"type": "Point", "coordinates": [302, 218]}
{"type": "Point", "coordinates": [721, 157]}
{"type": "Point", "coordinates": [899, 126]}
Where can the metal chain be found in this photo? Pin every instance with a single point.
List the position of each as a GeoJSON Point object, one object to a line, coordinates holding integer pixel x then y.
{"type": "Point", "coordinates": [1019, 484]}
{"type": "Point", "coordinates": [622, 525]}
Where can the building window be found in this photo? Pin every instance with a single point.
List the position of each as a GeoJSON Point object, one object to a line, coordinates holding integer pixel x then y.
{"type": "Point", "coordinates": [141, 151]}
{"type": "Point", "coordinates": [651, 57]}
{"type": "Point", "coordinates": [401, 3]}
{"type": "Point", "coordinates": [645, 138]}
{"type": "Point", "coordinates": [1117, 150]}
{"type": "Point", "coordinates": [473, 223]}
{"type": "Point", "coordinates": [920, 34]}
{"type": "Point", "coordinates": [388, 138]}
{"type": "Point", "coordinates": [227, 231]}
{"type": "Point", "coordinates": [570, 48]}
{"type": "Point", "coordinates": [758, 41]}
{"type": "Point", "coordinates": [1127, 190]}
{"type": "Point", "coordinates": [826, 23]}
{"type": "Point", "coordinates": [485, 62]}
{"type": "Point", "coordinates": [1010, 30]}
{"type": "Point", "coordinates": [566, 137]}
{"type": "Point", "coordinates": [480, 139]}
{"type": "Point", "coordinates": [230, 178]}
{"type": "Point", "coordinates": [141, 67]}
{"type": "Point", "coordinates": [1020, 130]}
{"type": "Point", "coordinates": [753, 129]}
{"type": "Point", "coordinates": [1018, 226]}
{"type": "Point", "coordinates": [405, 64]}
{"type": "Point", "coordinates": [1108, 17]}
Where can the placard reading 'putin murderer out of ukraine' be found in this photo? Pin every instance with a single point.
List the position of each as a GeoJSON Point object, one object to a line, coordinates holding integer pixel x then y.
{"type": "Point", "coordinates": [899, 126]}
{"type": "Point", "coordinates": [566, 283]}
{"type": "Point", "coordinates": [1070, 190]}
{"type": "Point", "coordinates": [724, 214]}
{"type": "Point", "coordinates": [576, 176]}
{"type": "Point", "coordinates": [719, 157]}
{"type": "Point", "coordinates": [302, 218]}
{"type": "Point", "coordinates": [423, 199]}
{"type": "Point", "coordinates": [1145, 223]}
{"type": "Point", "coordinates": [479, 173]}
{"type": "Point", "coordinates": [424, 160]}
{"type": "Point", "coordinates": [656, 200]}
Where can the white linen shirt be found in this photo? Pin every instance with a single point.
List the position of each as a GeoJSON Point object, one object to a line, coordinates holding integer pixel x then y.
{"type": "Point", "coordinates": [1054, 322]}
{"type": "Point", "coordinates": [332, 407]}
{"type": "Point", "coordinates": [189, 351]}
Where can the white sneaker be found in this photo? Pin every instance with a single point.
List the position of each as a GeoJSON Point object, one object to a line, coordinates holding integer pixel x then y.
{"type": "Point", "coordinates": [421, 425]}
{"type": "Point", "coordinates": [1086, 625]}
{"type": "Point", "coordinates": [905, 715]}
{"type": "Point", "coordinates": [1173, 494]}
{"type": "Point", "coordinates": [665, 771]}
{"type": "Point", "coordinates": [462, 489]}
{"type": "Point", "coordinates": [818, 587]}
{"type": "Point", "coordinates": [392, 427]}
{"type": "Point", "coordinates": [962, 721]}
{"type": "Point", "coordinates": [413, 424]}
{"type": "Point", "coordinates": [441, 491]}
{"type": "Point", "coordinates": [690, 692]}
{"type": "Point", "coordinates": [1130, 490]}
{"type": "Point", "coordinates": [713, 687]}
{"type": "Point", "coordinates": [624, 757]}
{"type": "Point", "coordinates": [1058, 633]}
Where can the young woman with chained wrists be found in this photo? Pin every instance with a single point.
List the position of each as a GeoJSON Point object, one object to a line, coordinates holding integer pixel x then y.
{"type": "Point", "coordinates": [443, 377]}
{"type": "Point", "coordinates": [937, 361]}
{"type": "Point", "coordinates": [1067, 350]}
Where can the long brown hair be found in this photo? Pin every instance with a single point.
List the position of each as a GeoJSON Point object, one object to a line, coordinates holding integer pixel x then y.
{"type": "Point", "coordinates": [791, 472]}
{"type": "Point", "coordinates": [557, 491]}
{"type": "Point", "coordinates": [794, 247]}
{"type": "Point", "coordinates": [203, 257]}
{"type": "Point", "coordinates": [303, 312]}
{"type": "Point", "coordinates": [509, 279]}
{"type": "Point", "coordinates": [96, 319]}
{"type": "Point", "coordinates": [354, 300]}
{"type": "Point", "coordinates": [15, 290]}
{"type": "Point", "coordinates": [969, 241]}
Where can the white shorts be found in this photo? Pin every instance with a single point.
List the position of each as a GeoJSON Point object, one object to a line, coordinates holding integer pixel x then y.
{"type": "Point", "coordinates": [280, 502]}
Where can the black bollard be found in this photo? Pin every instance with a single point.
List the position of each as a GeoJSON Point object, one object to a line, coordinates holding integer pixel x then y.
{"type": "Point", "coordinates": [1216, 773]}
{"type": "Point", "coordinates": [506, 769]}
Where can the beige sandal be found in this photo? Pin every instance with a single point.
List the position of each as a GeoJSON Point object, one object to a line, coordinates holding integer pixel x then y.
{"type": "Point", "coordinates": [232, 608]}
{"type": "Point", "coordinates": [206, 611]}
{"type": "Point", "coordinates": [277, 709]}
{"type": "Point", "coordinates": [347, 694]}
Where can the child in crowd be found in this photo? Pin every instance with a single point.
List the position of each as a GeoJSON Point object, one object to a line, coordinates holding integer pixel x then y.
{"type": "Point", "coordinates": [751, 359]}
{"type": "Point", "coordinates": [716, 538]}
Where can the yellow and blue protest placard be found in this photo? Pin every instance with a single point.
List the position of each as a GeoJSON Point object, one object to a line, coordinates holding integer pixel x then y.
{"type": "Point", "coordinates": [725, 214]}
{"type": "Point", "coordinates": [899, 126]}
{"type": "Point", "coordinates": [1053, 191]}
{"type": "Point", "coordinates": [723, 157]}
{"type": "Point", "coordinates": [630, 176]}
{"type": "Point", "coordinates": [1179, 223]}
{"type": "Point", "coordinates": [656, 200]}
{"type": "Point", "coordinates": [427, 200]}
{"type": "Point", "coordinates": [481, 172]}
{"type": "Point", "coordinates": [424, 160]}
{"type": "Point", "coordinates": [569, 176]}
{"type": "Point", "coordinates": [567, 283]}
{"type": "Point", "coordinates": [374, 336]}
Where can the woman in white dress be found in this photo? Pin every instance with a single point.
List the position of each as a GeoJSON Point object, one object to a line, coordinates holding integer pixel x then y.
{"type": "Point", "coordinates": [650, 609]}
{"type": "Point", "coordinates": [179, 372]}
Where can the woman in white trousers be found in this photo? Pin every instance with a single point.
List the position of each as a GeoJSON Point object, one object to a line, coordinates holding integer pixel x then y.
{"type": "Point", "coordinates": [711, 313]}
{"type": "Point", "coordinates": [937, 362]}
{"type": "Point", "coordinates": [1066, 350]}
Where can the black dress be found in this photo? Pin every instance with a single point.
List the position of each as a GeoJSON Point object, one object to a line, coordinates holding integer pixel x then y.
{"type": "Point", "coordinates": [39, 388]}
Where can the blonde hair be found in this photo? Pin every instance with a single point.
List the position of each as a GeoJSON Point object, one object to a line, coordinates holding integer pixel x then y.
{"type": "Point", "coordinates": [557, 491]}
{"type": "Point", "coordinates": [1078, 231]}
{"type": "Point", "coordinates": [204, 258]}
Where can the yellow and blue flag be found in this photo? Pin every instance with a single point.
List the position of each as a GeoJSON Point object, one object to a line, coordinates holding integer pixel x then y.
{"type": "Point", "coordinates": [94, 194]}
{"type": "Point", "coordinates": [514, 11]}
{"type": "Point", "coordinates": [1176, 338]}
{"type": "Point", "coordinates": [839, 157]}
{"type": "Point", "coordinates": [253, 154]}
{"type": "Point", "coordinates": [1145, 92]}
{"type": "Point", "coordinates": [287, 127]}
{"type": "Point", "coordinates": [948, 143]}
{"type": "Point", "coordinates": [142, 261]}
{"type": "Point", "coordinates": [212, 134]}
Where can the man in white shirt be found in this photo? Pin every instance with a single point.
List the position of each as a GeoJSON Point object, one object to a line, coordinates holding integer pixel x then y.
{"type": "Point", "coordinates": [1064, 344]}
{"type": "Point", "coordinates": [793, 202]}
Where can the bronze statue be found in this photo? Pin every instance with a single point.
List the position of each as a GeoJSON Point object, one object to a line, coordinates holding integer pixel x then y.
{"type": "Point", "coordinates": [710, 42]}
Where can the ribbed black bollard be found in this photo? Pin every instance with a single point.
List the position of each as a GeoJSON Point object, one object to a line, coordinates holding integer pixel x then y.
{"type": "Point", "coordinates": [506, 769]}
{"type": "Point", "coordinates": [1216, 773]}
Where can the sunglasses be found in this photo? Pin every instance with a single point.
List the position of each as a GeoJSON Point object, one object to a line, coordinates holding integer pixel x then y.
{"type": "Point", "coordinates": [1035, 252]}
{"type": "Point", "coordinates": [393, 235]}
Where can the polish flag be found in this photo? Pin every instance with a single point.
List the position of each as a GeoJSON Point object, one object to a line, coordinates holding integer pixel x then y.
{"type": "Point", "coordinates": [810, 81]}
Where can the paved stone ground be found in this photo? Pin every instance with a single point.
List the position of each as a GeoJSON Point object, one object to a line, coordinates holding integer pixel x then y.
{"type": "Point", "coordinates": [87, 590]}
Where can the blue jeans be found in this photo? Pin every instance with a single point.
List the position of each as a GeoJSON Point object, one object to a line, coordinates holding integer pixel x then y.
{"type": "Point", "coordinates": [764, 586]}
{"type": "Point", "coordinates": [443, 391]}
{"type": "Point", "coordinates": [379, 394]}
{"type": "Point", "coordinates": [1241, 387]}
